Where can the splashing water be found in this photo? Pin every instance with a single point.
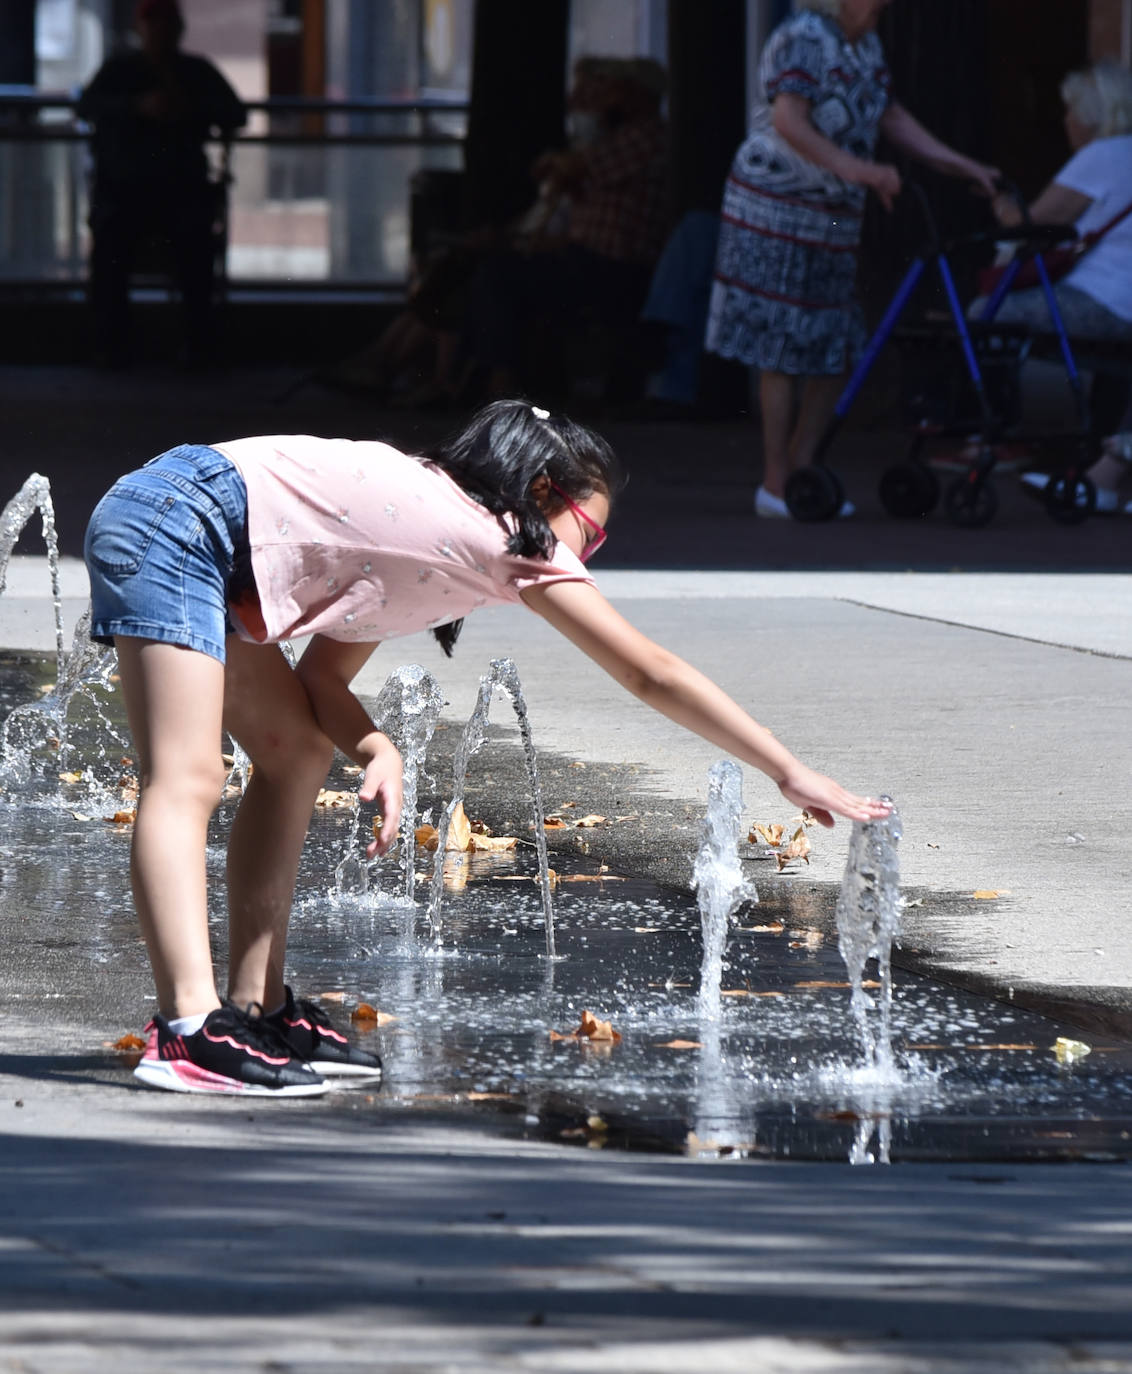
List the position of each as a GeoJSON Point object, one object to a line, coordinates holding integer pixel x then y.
{"type": "Point", "coordinates": [503, 675]}
{"type": "Point", "coordinates": [408, 708]}
{"type": "Point", "coordinates": [868, 916]}
{"type": "Point", "coordinates": [717, 877]}
{"type": "Point", "coordinates": [39, 732]}
{"type": "Point", "coordinates": [35, 494]}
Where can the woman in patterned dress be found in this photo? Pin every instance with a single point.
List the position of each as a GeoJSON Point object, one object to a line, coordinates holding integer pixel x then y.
{"type": "Point", "coordinates": [782, 298]}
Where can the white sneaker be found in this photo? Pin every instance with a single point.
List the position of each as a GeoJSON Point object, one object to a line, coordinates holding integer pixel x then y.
{"type": "Point", "coordinates": [769, 506]}
{"type": "Point", "coordinates": [772, 507]}
{"type": "Point", "coordinates": [1108, 502]}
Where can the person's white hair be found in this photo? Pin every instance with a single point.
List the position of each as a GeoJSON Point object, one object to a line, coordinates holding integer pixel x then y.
{"type": "Point", "coordinates": [1101, 98]}
{"type": "Point", "coordinates": [832, 7]}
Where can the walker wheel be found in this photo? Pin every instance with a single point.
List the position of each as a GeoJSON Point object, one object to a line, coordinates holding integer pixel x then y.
{"type": "Point", "coordinates": [970, 502]}
{"type": "Point", "coordinates": [1069, 500]}
{"type": "Point", "coordinates": [909, 490]}
{"type": "Point", "coordinates": [813, 494]}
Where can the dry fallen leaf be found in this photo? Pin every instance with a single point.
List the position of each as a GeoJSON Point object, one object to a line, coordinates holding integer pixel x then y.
{"type": "Point", "coordinates": [798, 848]}
{"type": "Point", "coordinates": [825, 983]}
{"type": "Point", "coordinates": [588, 822]}
{"type": "Point", "coordinates": [79, 816]}
{"type": "Point", "coordinates": [426, 836]}
{"type": "Point", "coordinates": [121, 818]}
{"type": "Point", "coordinates": [553, 823]}
{"type": "Point", "coordinates": [1067, 1051]}
{"type": "Point", "coordinates": [590, 1028]}
{"type": "Point", "coordinates": [678, 1045]}
{"type": "Point", "coordinates": [775, 928]}
{"type": "Point", "coordinates": [495, 844]}
{"type": "Point", "coordinates": [334, 801]}
{"type": "Point", "coordinates": [76, 776]}
{"type": "Point", "coordinates": [769, 834]}
{"type": "Point", "coordinates": [366, 1016]}
{"type": "Point", "coordinates": [459, 831]}
{"type": "Point", "coordinates": [567, 806]}
{"type": "Point", "coordinates": [129, 1042]}
{"type": "Point", "coordinates": [986, 894]}
{"type": "Point", "coordinates": [332, 996]}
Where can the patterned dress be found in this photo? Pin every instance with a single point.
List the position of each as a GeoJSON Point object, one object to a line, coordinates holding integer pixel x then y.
{"type": "Point", "coordinates": [782, 295]}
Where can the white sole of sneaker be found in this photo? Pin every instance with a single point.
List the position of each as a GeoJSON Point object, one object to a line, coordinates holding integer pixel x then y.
{"type": "Point", "coordinates": [328, 1069]}
{"type": "Point", "coordinates": [180, 1076]}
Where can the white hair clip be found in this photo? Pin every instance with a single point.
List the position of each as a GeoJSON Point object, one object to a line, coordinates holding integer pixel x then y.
{"type": "Point", "coordinates": [539, 413]}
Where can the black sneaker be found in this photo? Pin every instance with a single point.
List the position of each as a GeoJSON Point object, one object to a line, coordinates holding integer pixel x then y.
{"type": "Point", "coordinates": [231, 1053]}
{"type": "Point", "coordinates": [311, 1038]}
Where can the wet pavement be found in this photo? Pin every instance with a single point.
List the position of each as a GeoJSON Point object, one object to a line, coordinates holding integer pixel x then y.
{"type": "Point", "coordinates": [472, 1014]}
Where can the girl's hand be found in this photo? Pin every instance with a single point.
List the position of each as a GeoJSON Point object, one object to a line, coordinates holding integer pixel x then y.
{"type": "Point", "coordinates": [824, 799]}
{"type": "Point", "coordinates": [884, 179]}
{"type": "Point", "coordinates": [382, 783]}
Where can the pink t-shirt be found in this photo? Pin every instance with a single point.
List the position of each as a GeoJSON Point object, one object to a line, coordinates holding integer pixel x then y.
{"type": "Point", "coordinates": [355, 540]}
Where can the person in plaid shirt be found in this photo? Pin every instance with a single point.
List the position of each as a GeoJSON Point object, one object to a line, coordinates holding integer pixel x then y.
{"type": "Point", "coordinates": [599, 271]}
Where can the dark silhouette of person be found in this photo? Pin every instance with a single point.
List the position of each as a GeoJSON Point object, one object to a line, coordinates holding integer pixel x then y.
{"type": "Point", "coordinates": [152, 109]}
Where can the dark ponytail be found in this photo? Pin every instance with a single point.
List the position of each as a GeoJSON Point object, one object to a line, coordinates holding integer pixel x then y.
{"type": "Point", "coordinates": [496, 459]}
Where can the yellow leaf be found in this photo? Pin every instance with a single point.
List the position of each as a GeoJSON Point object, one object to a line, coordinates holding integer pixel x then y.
{"type": "Point", "coordinates": [459, 831]}
{"type": "Point", "coordinates": [495, 844]}
{"type": "Point", "coordinates": [769, 834]}
{"type": "Point", "coordinates": [1069, 1050]}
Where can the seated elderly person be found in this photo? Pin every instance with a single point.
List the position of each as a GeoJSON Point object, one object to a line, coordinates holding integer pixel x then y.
{"type": "Point", "coordinates": [598, 273]}
{"type": "Point", "coordinates": [1090, 192]}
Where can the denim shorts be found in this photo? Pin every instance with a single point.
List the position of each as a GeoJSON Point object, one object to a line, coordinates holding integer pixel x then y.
{"type": "Point", "coordinates": [160, 549]}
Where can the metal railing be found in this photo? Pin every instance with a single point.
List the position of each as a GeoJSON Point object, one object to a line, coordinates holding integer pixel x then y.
{"type": "Point", "coordinates": [319, 191]}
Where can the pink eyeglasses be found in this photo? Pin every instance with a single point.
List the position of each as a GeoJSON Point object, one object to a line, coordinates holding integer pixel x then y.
{"type": "Point", "coordinates": [597, 539]}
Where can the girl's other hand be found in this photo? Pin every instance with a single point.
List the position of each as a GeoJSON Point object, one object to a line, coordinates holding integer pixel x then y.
{"type": "Point", "coordinates": [823, 798]}
{"type": "Point", "coordinates": [382, 783]}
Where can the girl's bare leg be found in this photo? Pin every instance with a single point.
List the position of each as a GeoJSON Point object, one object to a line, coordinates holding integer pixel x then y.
{"type": "Point", "coordinates": [174, 699]}
{"type": "Point", "coordinates": [268, 712]}
{"type": "Point", "coordinates": [776, 403]}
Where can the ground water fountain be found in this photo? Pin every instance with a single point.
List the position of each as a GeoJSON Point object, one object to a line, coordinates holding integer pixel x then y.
{"type": "Point", "coordinates": [503, 676]}
{"type": "Point", "coordinates": [762, 1053]}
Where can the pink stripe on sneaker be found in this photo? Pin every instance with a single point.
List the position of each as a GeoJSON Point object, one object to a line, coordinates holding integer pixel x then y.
{"type": "Point", "coordinates": [247, 1049]}
{"type": "Point", "coordinates": [193, 1074]}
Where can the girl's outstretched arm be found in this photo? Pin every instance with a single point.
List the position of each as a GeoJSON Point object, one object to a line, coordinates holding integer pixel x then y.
{"type": "Point", "coordinates": [682, 693]}
{"type": "Point", "coordinates": [326, 670]}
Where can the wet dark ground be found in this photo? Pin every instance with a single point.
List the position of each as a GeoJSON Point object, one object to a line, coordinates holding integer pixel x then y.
{"type": "Point", "coordinates": [780, 1074]}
